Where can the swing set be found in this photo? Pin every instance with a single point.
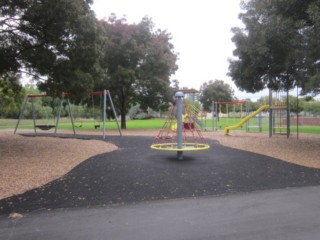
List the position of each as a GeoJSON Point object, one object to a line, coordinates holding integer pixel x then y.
{"type": "Point", "coordinates": [54, 116]}
{"type": "Point", "coordinates": [54, 120]}
{"type": "Point", "coordinates": [104, 95]}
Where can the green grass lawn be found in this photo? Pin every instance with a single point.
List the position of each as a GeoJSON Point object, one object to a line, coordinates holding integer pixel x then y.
{"type": "Point", "coordinates": [306, 129]}
{"type": "Point", "coordinates": [146, 124]}
{"type": "Point", "coordinates": [131, 124]}
{"type": "Point", "coordinates": [84, 124]}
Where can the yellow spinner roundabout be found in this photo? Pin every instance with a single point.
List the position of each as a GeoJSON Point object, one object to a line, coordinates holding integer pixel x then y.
{"type": "Point", "coordinates": [179, 133]}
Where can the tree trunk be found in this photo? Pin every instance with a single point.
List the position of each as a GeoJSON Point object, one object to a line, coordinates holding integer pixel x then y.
{"type": "Point", "coordinates": [123, 119]}
{"type": "Point", "coordinates": [123, 111]}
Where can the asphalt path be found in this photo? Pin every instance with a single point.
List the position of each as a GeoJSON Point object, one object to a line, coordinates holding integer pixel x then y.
{"type": "Point", "coordinates": [287, 214]}
{"type": "Point", "coordinates": [135, 175]}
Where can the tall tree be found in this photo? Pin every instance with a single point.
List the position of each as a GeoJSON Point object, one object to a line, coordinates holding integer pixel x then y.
{"type": "Point", "coordinates": [56, 40]}
{"type": "Point", "coordinates": [11, 95]}
{"type": "Point", "coordinates": [295, 105]}
{"type": "Point", "coordinates": [215, 91]}
{"type": "Point", "coordinates": [139, 62]}
{"type": "Point", "coordinates": [274, 48]}
{"type": "Point", "coordinates": [311, 34]}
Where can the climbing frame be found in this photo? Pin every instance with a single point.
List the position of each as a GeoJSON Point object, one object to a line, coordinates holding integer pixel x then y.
{"type": "Point", "coordinates": [179, 132]}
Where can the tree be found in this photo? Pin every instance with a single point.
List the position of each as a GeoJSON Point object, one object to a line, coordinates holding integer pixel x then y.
{"type": "Point", "coordinates": [276, 48]}
{"type": "Point", "coordinates": [312, 50]}
{"type": "Point", "coordinates": [215, 91]}
{"type": "Point", "coordinates": [139, 62]}
{"type": "Point", "coordinates": [312, 107]}
{"type": "Point", "coordinates": [59, 42]}
{"type": "Point", "coordinates": [295, 105]}
{"type": "Point", "coordinates": [11, 95]}
{"type": "Point", "coordinates": [251, 106]}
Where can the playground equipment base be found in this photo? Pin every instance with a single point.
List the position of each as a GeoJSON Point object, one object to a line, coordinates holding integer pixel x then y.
{"type": "Point", "coordinates": [185, 146]}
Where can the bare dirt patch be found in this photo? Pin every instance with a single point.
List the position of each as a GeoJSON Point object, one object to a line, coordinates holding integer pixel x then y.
{"type": "Point", "coordinates": [30, 162]}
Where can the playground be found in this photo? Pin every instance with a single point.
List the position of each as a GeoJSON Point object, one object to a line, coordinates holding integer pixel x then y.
{"type": "Point", "coordinates": [37, 161]}
{"type": "Point", "coordinates": [55, 186]}
{"type": "Point", "coordinates": [39, 158]}
{"type": "Point", "coordinates": [68, 174]}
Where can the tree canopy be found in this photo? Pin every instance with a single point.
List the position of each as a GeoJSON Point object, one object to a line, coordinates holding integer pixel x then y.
{"type": "Point", "coordinates": [11, 95]}
{"type": "Point", "coordinates": [59, 42]}
{"type": "Point", "coordinates": [215, 91]}
{"type": "Point", "coordinates": [139, 62]}
{"type": "Point", "coordinates": [66, 49]}
{"type": "Point", "coordinates": [279, 46]}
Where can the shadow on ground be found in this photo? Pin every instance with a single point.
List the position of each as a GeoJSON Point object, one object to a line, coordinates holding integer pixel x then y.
{"type": "Point", "coordinates": [136, 173]}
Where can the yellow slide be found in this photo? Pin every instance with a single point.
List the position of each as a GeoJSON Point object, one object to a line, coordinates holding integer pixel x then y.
{"type": "Point", "coordinates": [243, 121]}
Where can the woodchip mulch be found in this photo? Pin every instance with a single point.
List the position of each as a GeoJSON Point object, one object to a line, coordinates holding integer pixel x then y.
{"type": "Point", "coordinates": [304, 151]}
{"type": "Point", "coordinates": [30, 162]}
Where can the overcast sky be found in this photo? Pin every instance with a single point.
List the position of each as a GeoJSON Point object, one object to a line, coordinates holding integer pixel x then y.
{"type": "Point", "coordinates": [201, 34]}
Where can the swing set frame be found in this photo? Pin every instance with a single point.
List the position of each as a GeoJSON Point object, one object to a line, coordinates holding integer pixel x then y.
{"type": "Point", "coordinates": [44, 127]}
{"type": "Point", "coordinates": [64, 97]}
{"type": "Point", "coordinates": [106, 93]}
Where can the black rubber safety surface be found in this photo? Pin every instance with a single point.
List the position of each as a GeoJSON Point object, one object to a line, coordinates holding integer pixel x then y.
{"type": "Point", "coordinates": [136, 173]}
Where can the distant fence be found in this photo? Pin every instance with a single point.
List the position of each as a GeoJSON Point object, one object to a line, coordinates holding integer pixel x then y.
{"type": "Point", "coordinates": [306, 121]}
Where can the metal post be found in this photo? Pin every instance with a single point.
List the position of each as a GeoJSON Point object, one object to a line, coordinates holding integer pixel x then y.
{"type": "Point", "coordinates": [21, 113]}
{"type": "Point", "coordinates": [71, 117]}
{"type": "Point", "coordinates": [104, 114]}
{"type": "Point", "coordinates": [248, 122]}
{"type": "Point", "coordinates": [288, 115]}
{"type": "Point", "coordinates": [179, 96]}
{"type": "Point", "coordinates": [114, 112]}
{"type": "Point", "coordinates": [270, 113]}
{"type": "Point", "coordinates": [260, 122]}
{"type": "Point", "coordinates": [33, 116]}
{"type": "Point", "coordinates": [217, 117]}
{"type": "Point", "coordinates": [213, 116]}
{"type": "Point", "coordinates": [59, 113]}
{"type": "Point", "coordinates": [297, 114]}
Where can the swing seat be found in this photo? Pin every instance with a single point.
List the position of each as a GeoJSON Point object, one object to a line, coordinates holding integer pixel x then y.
{"type": "Point", "coordinates": [45, 127]}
